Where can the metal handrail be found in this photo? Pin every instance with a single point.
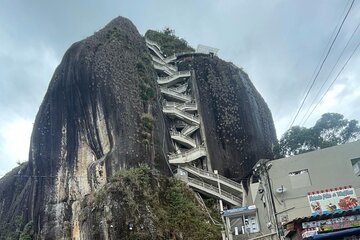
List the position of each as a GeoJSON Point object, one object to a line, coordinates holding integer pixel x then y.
{"type": "Point", "coordinates": [167, 59]}
{"type": "Point", "coordinates": [157, 51]}
{"type": "Point", "coordinates": [171, 104]}
{"type": "Point", "coordinates": [170, 58]}
{"type": "Point", "coordinates": [173, 69]}
{"type": "Point", "coordinates": [175, 133]}
{"type": "Point", "coordinates": [187, 127]}
{"type": "Point", "coordinates": [181, 88]}
{"type": "Point", "coordinates": [153, 43]}
{"type": "Point", "coordinates": [179, 95]}
{"type": "Point", "coordinates": [173, 92]}
{"type": "Point", "coordinates": [213, 175]}
{"type": "Point", "coordinates": [185, 153]}
{"type": "Point", "coordinates": [175, 75]}
{"type": "Point", "coordinates": [186, 105]}
{"type": "Point", "coordinates": [161, 62]}
{"type": "Point", "coordinates": [158, 60]}
{"type": "Point", "coordinates": [174, 109]}
{"type": "Point", "coordinates": [215, 189]}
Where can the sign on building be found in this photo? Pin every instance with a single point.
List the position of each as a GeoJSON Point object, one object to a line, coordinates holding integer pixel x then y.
{"type": "Point", "coordinates": [240, 210]}
{"type": "Point", "coordinates": [332, 200]}
{"type": "Point", "coordinates": [332, 224]}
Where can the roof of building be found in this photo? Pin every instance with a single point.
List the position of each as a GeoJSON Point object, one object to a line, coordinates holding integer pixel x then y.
{"type": "Point", "coordinates": [353, 144]}
{"type": "Point", "coordinates": [337, 234]}
{"type": "Point", "coordinates": [324, 216]}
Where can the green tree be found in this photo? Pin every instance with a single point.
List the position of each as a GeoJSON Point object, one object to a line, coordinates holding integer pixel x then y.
{"type": "Point", "coordinates": [168, 41]}
{"type": "Point", "coordinates": [330, 130]}
{"type": "Point", "coordinates": [27, 232]}
{"type": "Point", "coordinates": [169, 31]}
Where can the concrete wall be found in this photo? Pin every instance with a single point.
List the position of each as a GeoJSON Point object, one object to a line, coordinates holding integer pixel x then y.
{"type": "Point", "coordinates": [327, 168]}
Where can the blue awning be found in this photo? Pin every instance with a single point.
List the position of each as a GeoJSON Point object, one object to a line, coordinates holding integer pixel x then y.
{"type": "Point", "coordinates": [335, 235]}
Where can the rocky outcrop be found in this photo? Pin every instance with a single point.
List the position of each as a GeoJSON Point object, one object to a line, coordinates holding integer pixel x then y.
{"type": "Point", "coordinates": [101, 115]}
{"type": "Point", "coordinates": [151, 206]}
{"type": "Point", "coordinates": [98, 116]}
{"type": "Point", "coordinates": [237, 122]}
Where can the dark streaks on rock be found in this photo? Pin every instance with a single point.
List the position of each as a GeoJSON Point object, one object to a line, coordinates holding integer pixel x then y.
{"type": "Point", "coordinates": [238, 124]}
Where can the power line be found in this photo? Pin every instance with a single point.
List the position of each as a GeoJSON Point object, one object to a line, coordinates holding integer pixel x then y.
{"type": "Point", "coordinates": [357, 46]}
{"type": "Point", "coordinates": [328, 77]}
{"type": "Point", "coordinates": [43, 176]}
{"type": "Point", "coordinates": [322, 64]}
{"type": "Point", "coordinates": [327, 45]}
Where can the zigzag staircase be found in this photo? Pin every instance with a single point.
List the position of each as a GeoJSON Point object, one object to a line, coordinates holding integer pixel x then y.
{"type": "Point", "coordinates": [180, 106]}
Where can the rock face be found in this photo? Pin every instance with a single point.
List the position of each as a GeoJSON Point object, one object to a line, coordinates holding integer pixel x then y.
{"type": "Point", "coordinates": [97, 117]}
{"type": "Point", "coordinates": [101, 114]}
{"type": "Point", "coordinates": [238, 125]}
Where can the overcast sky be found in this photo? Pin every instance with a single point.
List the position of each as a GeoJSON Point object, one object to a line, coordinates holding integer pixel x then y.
{"type": "Point", "coordinates": [278, 43]}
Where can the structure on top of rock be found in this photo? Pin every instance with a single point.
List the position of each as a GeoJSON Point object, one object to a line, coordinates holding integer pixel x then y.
{"type": "Point", "coordinates": [116, 101]}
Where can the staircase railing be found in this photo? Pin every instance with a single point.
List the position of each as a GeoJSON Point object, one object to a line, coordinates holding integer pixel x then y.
{"type": "Point", "coordinates": [181, 88]}
{"type": "Point", "coordinates": [174, 76]}
{"type": "Point", "coordinates": [187, 153]}
{"type": "Point", "coordinates": [213, 175]}
{"type": "Point", "coordinates": [153, 43]}
{"type": "Point", "coordinates": [187, 105]}
{"type": "Point", "coordinates": [180, 95]}
{"type": "Point", "coordinates": [187, 127]}
{"type": "Point", "coordinates": [179, 134]}
{"type": "Point", "coordinates": [170, 58]}
{"type": "Point", "coordinates": [175, 110]}
{"type": "Point", "coordinates": [161, 62]}
{"type": "Point", "coordinates": [215, 190]}
{"type": "Point", "coordinates": [157, 60]}
{"type": "Point", "coordinates": [171, 68]}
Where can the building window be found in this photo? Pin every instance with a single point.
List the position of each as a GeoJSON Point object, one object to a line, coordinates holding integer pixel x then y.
{"type": "Point", "coordinates": [356, 166]}
{"type": "Point", "coordinates": [299, 179]}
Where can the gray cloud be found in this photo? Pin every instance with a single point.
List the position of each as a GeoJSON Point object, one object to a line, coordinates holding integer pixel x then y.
{"type": "Point", "coordinates": [278, 43]}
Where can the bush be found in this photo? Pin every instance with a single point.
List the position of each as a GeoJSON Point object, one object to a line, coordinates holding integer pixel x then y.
{"type": "Point", "coordinates": [184, 213]}
{"type": "Point", "coordinates": [148, 122]}
{"type": "Point", "coordinates": [27, 232]}
{"type": "Point", "coordinates": [168, 42]}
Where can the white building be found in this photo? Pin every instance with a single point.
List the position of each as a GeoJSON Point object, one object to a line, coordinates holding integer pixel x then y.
{"type": "Point", "coordinates": [306, 185]}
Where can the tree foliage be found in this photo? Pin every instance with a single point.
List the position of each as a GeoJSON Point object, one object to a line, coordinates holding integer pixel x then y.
{"type": "Point", "coordinates": [27, 233]}
{"type": "Point", "coordinates": [330, 130]}
{"type": "Point", "coordinates": [168, 41]}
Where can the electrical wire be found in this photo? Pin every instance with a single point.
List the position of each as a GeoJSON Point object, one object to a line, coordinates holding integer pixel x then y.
{"type": "Point", "coordinates": [322, 64]}
{"type": "Point", "coordinates": [326, 47]}
{"type": "Point", "coordinates": [302, 122]}
{"type": "Point", "coordinates": [332, 83]}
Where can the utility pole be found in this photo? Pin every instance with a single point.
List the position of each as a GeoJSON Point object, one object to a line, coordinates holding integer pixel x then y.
{"type": "Point", "coordinates": [261, 170]}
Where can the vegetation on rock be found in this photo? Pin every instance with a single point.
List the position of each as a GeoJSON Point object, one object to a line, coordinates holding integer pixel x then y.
{"type": "Point", "coordinates": [27, 233]}
{"type": "Point", "coordinates": [6, 232]}
{"type": "Point", "coordinates": [139, 203]}
{"type": "Point", "coordinates": [168, 41]}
